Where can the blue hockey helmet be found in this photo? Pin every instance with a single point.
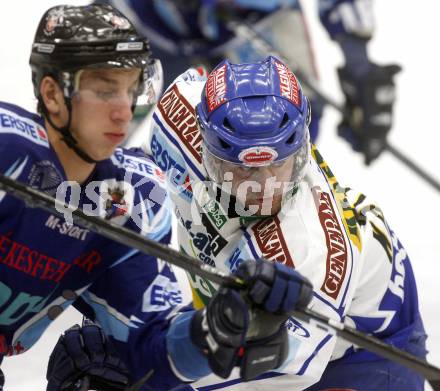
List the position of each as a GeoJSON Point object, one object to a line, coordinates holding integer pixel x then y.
{"type": "Point", "coordinates": [254, 115]}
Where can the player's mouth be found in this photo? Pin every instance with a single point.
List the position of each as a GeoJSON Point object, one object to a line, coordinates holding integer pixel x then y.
{"type": "Point", "coordinates": [115, 137]}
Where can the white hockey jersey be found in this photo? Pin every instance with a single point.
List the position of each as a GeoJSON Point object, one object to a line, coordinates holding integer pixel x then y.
{"type": "Point", "coordinates": [333, 235]}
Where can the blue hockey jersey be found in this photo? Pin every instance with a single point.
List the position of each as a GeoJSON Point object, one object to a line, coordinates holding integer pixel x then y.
{"type": "Point", "coordinates": [46, 264]}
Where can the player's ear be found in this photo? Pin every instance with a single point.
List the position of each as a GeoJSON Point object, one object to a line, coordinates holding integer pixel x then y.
{"type": "Point", "coordinates": [52, 95]}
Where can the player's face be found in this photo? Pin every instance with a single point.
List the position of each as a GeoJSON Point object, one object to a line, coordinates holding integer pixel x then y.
{"type": "Point", "coordinates": [102, 109]}
{"type": "Point", "coordinates": [259, 189]}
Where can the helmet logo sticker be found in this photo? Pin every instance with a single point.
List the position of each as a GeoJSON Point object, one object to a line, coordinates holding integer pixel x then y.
{"type": "Point", "coordinates": [120, 22]}
{"type": "Point", "coordinates": [53, 20]}
{"type": "Point", "coordinates": [129, 46]}
{"type": "Point", "coordinates": [289, 85]}
{"type": "Point", "coordinates": [257, 156]}
{"type": "Point", "coordinates": [44, 48]}
{"type": "Point", "coordinates": [216, 88]}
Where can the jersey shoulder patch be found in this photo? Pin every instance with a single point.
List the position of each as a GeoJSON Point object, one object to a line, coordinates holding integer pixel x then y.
{"type": "Point", "coordinates": [135, 161]}
{"type": "Point", "coordinates": [15, 121]}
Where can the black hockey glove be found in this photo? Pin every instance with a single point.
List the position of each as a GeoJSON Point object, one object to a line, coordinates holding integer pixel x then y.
{"type": "Point", "coordinates": [368, 108]}
{"type": "Point", "coordinates": [250, 333]}
{"type": "Point", "coordinates": [274, 291]}
{"type": "Point", "coordinates": [82, 351]}
{"type": "Point", "coordinates": [219, 330]}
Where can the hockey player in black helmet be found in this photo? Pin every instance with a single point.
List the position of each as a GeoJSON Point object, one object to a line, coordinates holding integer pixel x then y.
{"type": "Point", "coordinates": [71, 39]}
{"type": "Point", "coordinates": [89, 68]}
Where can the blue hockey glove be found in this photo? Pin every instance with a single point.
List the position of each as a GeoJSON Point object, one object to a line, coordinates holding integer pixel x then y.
{"type": "Point", "coordinates": [82, 351]}
{"type": "Point", "coordinates": [275, 288]}
{"type": "Point", "coordinates": [369, 103]}
{"type": "Point", "coordinates": [251, 336]}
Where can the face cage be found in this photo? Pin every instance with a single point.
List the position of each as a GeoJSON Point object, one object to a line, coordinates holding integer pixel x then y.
{"type": "Point", "coordinates": [215, 166]}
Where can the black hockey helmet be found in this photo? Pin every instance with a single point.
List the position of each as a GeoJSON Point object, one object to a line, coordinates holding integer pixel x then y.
{"type": "Point", "coordinates": [72, 38]}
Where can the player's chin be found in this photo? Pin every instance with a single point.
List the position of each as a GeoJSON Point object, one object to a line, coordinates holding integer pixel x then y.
{"type": "Point", "coordinates": [103, 153]}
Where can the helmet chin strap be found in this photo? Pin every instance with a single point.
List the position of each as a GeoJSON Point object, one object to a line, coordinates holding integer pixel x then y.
{"type": "Point", "coordinates": [67, 136]}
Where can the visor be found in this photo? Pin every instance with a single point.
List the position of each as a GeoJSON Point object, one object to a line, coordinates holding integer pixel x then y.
{"type": "Point", "coordinates": [280, 175]}
{"type": "Point", "coordinates": [99, 90]}
{"type": "Point", "coordinates": [152, 83]}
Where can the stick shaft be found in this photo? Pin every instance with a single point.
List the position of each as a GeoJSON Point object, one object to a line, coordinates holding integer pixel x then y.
{"type": "Point", "coordinates": [36, 198]}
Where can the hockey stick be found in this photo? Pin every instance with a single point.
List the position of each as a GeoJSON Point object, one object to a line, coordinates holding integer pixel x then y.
{"type": "Point", "coordinates": [430, 372]}
{"type": "Point", "coordinates": [245, 31]}
{"type": "Point", "coordinates": [36, 198]}
{"type": "Point", "coordinates": [82, 384]}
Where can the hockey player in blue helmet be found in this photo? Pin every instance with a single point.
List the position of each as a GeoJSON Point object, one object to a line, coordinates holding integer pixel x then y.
{"type": "Point", "coordinates": [247, 183]}
{"type": "Point", "coordinates": [258, 132]}
{"type": "Point", "coordinates": [243, 133]}
{"type": "Point", "coordinates": [188, 33]}
{"type": "Point", "coordinates": [89, 67]}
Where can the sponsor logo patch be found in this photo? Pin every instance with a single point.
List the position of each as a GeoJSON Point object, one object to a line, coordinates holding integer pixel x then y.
{"type": "Point", "coordinates": [45, 176]}
{"type": "Point", "coordinates": [12, 123]}
{"type": "Point", "coordinates": [179, 115]}
{"type": "Point", "coordinates": [207, 245]}
{"type": "Point", "coordinates": [173, 166]}
{"type": "Point", "coordinates": [162, 294]}
{"type": "Point", "coordinates": [42, 266]}
{"type": "Point", "coordinates": [215, 214]}
{"type": "Point", "coordinates": [64, 228]}
{"type": "Point", "coordinates": [336, 244]}
{"type": "Point", "coordinates": [137, 165]}
{"type": "Point", "coordinates": [289, 86]}
{"type": "Point", "coordinates": [216, 88]}
{"type": "Point", "coordinates": [41, 133]}
{"type": "Point", "coordinates": [270, 240]}
{"type": "Point", "coordinates": [258, 156]}
{"type": "Point", "coordinates": [235, 260]}
{"type": "Point", "coordinates": [297, 328]}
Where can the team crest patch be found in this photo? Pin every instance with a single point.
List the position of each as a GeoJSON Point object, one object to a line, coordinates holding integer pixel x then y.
{"type": "Point", "coordinates": [257, 156]}
{"type": "Point", "coordinates": [116, 205]}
